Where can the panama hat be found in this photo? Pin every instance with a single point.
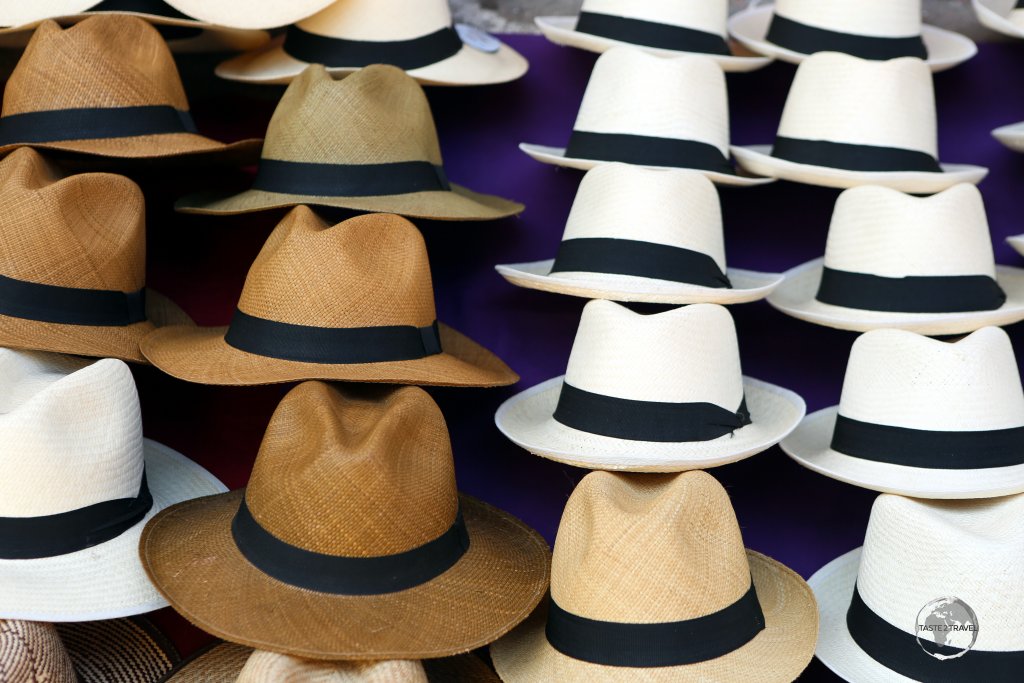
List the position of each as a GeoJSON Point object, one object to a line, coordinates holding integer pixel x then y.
{"type": "Point", "coordinates": [351, 532]}
{"type": "Point", "coordinates": [637, 234]}
{"type": "Point", "coordinates": [851, 121]}
{"type": "Point", "coordinates": [650, 582]}
{"type": "Point", "coordinates": [791, 30]}
{"type": "Point", "coordinates": [1004, 16]}
{"type": "Point", "coordinates": [349, 302]}
{"type": "Point", "coordinates": [651, 393]}
{"type": "Point", "coordinates": [651, 111]}
{"type": "Point", "coordinates": [929, 572]}
{"type": "Point", "coordinates": [366, 143]}
{"type": "Point", "coordinates": [917, 263]}
{"type": "Point", "coordinates": [661, 28]}
{"type": "Point", "coordinates": [415, 35]}
{"type": "Point", "coordinates": [250, 13]}
{"type": "Point", "coordinates": [1011, 136]}
{"type": "Point", "coordinates": [78, 484]}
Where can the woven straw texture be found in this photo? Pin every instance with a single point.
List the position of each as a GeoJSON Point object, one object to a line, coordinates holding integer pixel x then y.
{"type": "Point", "coordinates": [31, 652]}
{"type": "Point", "coordinates": [1001, 16]}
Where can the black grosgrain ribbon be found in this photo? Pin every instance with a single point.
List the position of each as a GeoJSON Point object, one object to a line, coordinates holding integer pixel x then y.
{"type": "Point", "coordinates": [343, 52]}
{"type": "Point", "coordinates": [349, 180]}
{"type": "Point", "coordinates": [342, 575]}
{"type": "Point", "coordinates": [644, 150]}
{"type": "Point", "coordinates": [807, 40]}
{"type": "Point", "coordinates": [912, 294]}
{"type": "Point", "coordinates": [651, 34]}
{"type": "Point", "coordinates": [29, 538]}
{"type": "Point", "coordinates": [93, 123]}
{"type": "Point", "coordinates": [639, 259]}
{"type": "Point", "coordinates": [851, 157]}
{"type": "Point", "coordinates": [662, 644]}
{"type": "Point", "coordinates": [69, 305]}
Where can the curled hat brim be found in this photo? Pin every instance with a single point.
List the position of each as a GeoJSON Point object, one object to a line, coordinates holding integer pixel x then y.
{"type": "Point", "coordinates": [991, 19]}
{"type": "Point", "coordinates": [1017, 242]}
{"type": "Point", "coordinates": [117, 650]}
{"type": "Point", "coordinates": [169, 146]}
{"type": "Point", "coordinates": [1011, 136]}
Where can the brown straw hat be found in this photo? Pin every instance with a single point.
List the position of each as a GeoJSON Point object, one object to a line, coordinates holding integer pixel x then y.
{"type": "Point", "coordinates": [108, 87]}
{"type": "Point", "coordinates": [650, 582]}
{"type": "Point", "coordinates": [72, 262]}
{"type": "Point", "coordinates": [351, 540]}
{"type": "Point", "coordinates": [350, 302]}
{"type": "Point", "coordinates": [366, 143]}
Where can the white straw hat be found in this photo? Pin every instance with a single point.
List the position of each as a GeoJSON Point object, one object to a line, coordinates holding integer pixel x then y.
{"type": "Point", "coordinates": [638, 234]}
{"type": "Point", "coordinates": [250, 13]}
{"type": "Point", "coordinates": [415, 35]}
{"type": "Point", "coordinates": [651, 111]}
{"type": "Point", "coordinates": [917, 263]}
{"type": "Point", "coordinates": [929, 572]}
{"type": "Point", "coordinates": [661, 27]}
{"type": "Point", "coordinates": [1004, 16]}
{"type": "Point", "coordinates": [791, 30]}
{"type": "Point", "coordinates": [1012, 135]}
{"type": "Point", "coordinates": [1017, 242]}
{"type": "Point", "coordinates": [78, 484]}
{"type": "Point", "coordinates": [851, 121]}
{"type": "Point", "coordinates": [651, 393]}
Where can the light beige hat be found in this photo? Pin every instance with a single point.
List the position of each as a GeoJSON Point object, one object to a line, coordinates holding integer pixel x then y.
{"type": "Point", "coordinates": [651, 111]}
{"type": "Point", "coordinates": [1017, 242]}
{"type": "Point", "coordinates": [79, 483]}
{"type": "Point", "coordinates": [917, 263]}
{"type": "Point", "coordinates": [250, 13]}
{"type": "Point", "coordinates": [791, 30]}
{"type": "Point", "coordinates": [1012, 135]}
{"type": "Point", "coordinates": [1004, 16]}
{"type": "Point", "coordinates": [661, 27]}
{"type": "Point", "coordinates": [933, 595]}
{"type": "Point", "coordinates": [851, 121]}
{"type": "Point", "coordinates": [638, 234]}
{"type": "Point", "coordinates": [650, 583]}
{"type": "Point", "coordinates": [651, 393]}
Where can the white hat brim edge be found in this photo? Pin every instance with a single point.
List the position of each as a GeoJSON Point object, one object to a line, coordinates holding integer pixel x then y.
{"type": "Point", "coordinates": [242, 15]}
{"type": "Point", "coordinates": [991, 19]}
{"type": "Point", "coordinates": [1011, 136]}
{"type": "Point", "coordinates": [1017, 242]}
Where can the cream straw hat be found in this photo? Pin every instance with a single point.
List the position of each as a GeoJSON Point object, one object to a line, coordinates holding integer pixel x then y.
{"type": "Point", "coordinates": [917, 263]}
{"type": "Point", "coordinates": [791, 30]}
{"type": "Point", "coordinates": [660, 27]}
{"type": "Point", "coordinates": [250, 13]}
{"type": "Point", "coordinates": [851, 121]}
{"type": "Point", "coordinates": [78, 484]}
{"type": "Point", "coordinates": [651, 111]}
{"type": "Point", "coordinates": [928, 572]}
{"type": "Point", "coordinates": [651, 393]}
{"type": "Point", "coordinates": [638, 234]}
{"type": "Point", "coordinates": [1012, 135]}
{"type": "Point", "coordinates": [1004, 16]}
{"type": "Point", "coordinates": [1017, 242]}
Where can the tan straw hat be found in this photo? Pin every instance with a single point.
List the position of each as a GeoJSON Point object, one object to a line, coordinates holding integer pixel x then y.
{"type": "Point", "coordinates": [72, 262]}
{"type": "Point", "coordinates": [651, 393]}
{"type": "Point", "coordinates": [250, 13]}
{"type": "Point", "coordinates": [638, 234]}
{"type": "Point", "coordinates": [650, 583]}
{"type": "Point", "coordinates": [851, 121]}
{"type": "Point", "coordinates": [415, 35]}
{"type": "Point", "coordinates": [651, 111]}
{"type": "Point", "coordinates": [367, 143]}
{"type": "Point", "coordinates": [108, 87]}
{"type": "Point", "coordinates": [917, 263]}
{"type": "Point", "coordinates": [791, 30]}
{"type": "Point", "coordinates": [78, 484]}
{"type": "Point", "coordinates": [933, 595]}
{"type": "Point", "coordinates": [349, 302]}
{"type": "Point", "coordinates": [352, 533]}
{"type": "Point", "coordinates": [1004, 16]}
{"type": "Point", "coordinates": [660, 27]}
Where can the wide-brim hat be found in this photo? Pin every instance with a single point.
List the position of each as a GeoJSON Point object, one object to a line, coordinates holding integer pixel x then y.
{"type": "Point", "coordinates": [252, 14]}
{"type": "Point", "coordinates": [1011, 136]}
{"type": "Point", "coordinates": [994, 14]}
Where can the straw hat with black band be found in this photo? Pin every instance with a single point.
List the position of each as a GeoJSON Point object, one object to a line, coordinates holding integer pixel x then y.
{"type": "Point", "coordinates": [1003, 16]}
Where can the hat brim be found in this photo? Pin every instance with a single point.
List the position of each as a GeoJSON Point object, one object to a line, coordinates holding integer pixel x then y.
{"type": "Point", "coordinates": [192, 559]}
{"type": "Point", "coordinates": [556, 156]}
{"type": "Point", "coordinates": [991, 19]}
{"type": "Point", "coordinates": [746, 285]}
{"type": "Point", "coordinates": [758, 159]}
{"type": "Point", "coordinates": [562, 31]}
{"type": "Point", "coordinates": [1017, 242]}
{"type": "Point", "coordinates": [200, 354]}
{"type": "Point", "coordinates": [117, 650]}
{"type": "Point", "coordinates": [749, 27]}
{"type": "Point", "coordinates": [527, 419]}
{"type": "Point", "coordinates": [1011, 136]}
{"type": "Point", "coordinates": [796, 297]}
{"type": "Point", "coordinates": [105, 581]}
{"type": "Point", "coordinates": [166, 146]}
{"type": "Point", "coordinates": [776, 655]}
{"type": "Point", "coordinates": [260, 15]}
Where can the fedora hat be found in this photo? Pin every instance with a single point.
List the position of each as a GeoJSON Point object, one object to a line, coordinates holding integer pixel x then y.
{"type": "Point", "coordinates": [651, 111]}
{"type": "Point", "coordinates": [78, 484]}
{"type": "Point", "coordinates": [660, 27]}
{"type": "Point", "coordinates": [72, 262]}
{"type": "Point", "coordinates": [651, 393]}
{"type": "Point", "coordinates": [637, 234]}
{"type": "Point", "coordinates": [851, 121]}
{"type": "Point", "coordinates": [351, 531]}
{"type": "Point", "coordinates": [1004, 16]}
{"type": "Point", "coordinates": [253, 14]}
{"type": "Point", "coordinates": [366, 143]}
{"type": "Point", "coordinates": [415, 35]}
{"type": "Point", "coordinates": [349, 302]}
{"type": "Point", "coordinates": [650, 582]}
{"type": "Point", "coordinates": [933, 579]}
{"type": "Point", "coordinates": [923, 264]}
{"type": "Point", "coordinates": [791, 30]}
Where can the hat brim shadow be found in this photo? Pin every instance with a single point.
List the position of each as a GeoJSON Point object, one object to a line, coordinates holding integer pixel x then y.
{"type": "Point", "coordinates": [776, 655]}
{"type": "Point", "coordinates": [994, 21]}
{"type": "Point", "coordinates": [1011, 136]}
{"type": "Point", "coordinates": [117, 650]}
{"type": "Point", "coordinates": [168, 146]}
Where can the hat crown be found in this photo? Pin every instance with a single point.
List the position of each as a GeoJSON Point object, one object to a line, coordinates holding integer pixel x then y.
{"type": "Point", "coordinates": [882, 18]}
{"type": "Point", "coordinates": [33, 651]}
{"type": "Point", "coordinates": [709, 16]}
{"type": "Point", "coordinates": [270, 667]}
{"type": "Point", "coordinates": [355, 473]}
{"type": "Point", "coordinates": [903, 379]}
{"type": "Point", "coordinates": [684, 355]}
{"type": "Point", "coordinates": [632, 92]}
{"type": "Point", "coordinates": [381, 20]}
